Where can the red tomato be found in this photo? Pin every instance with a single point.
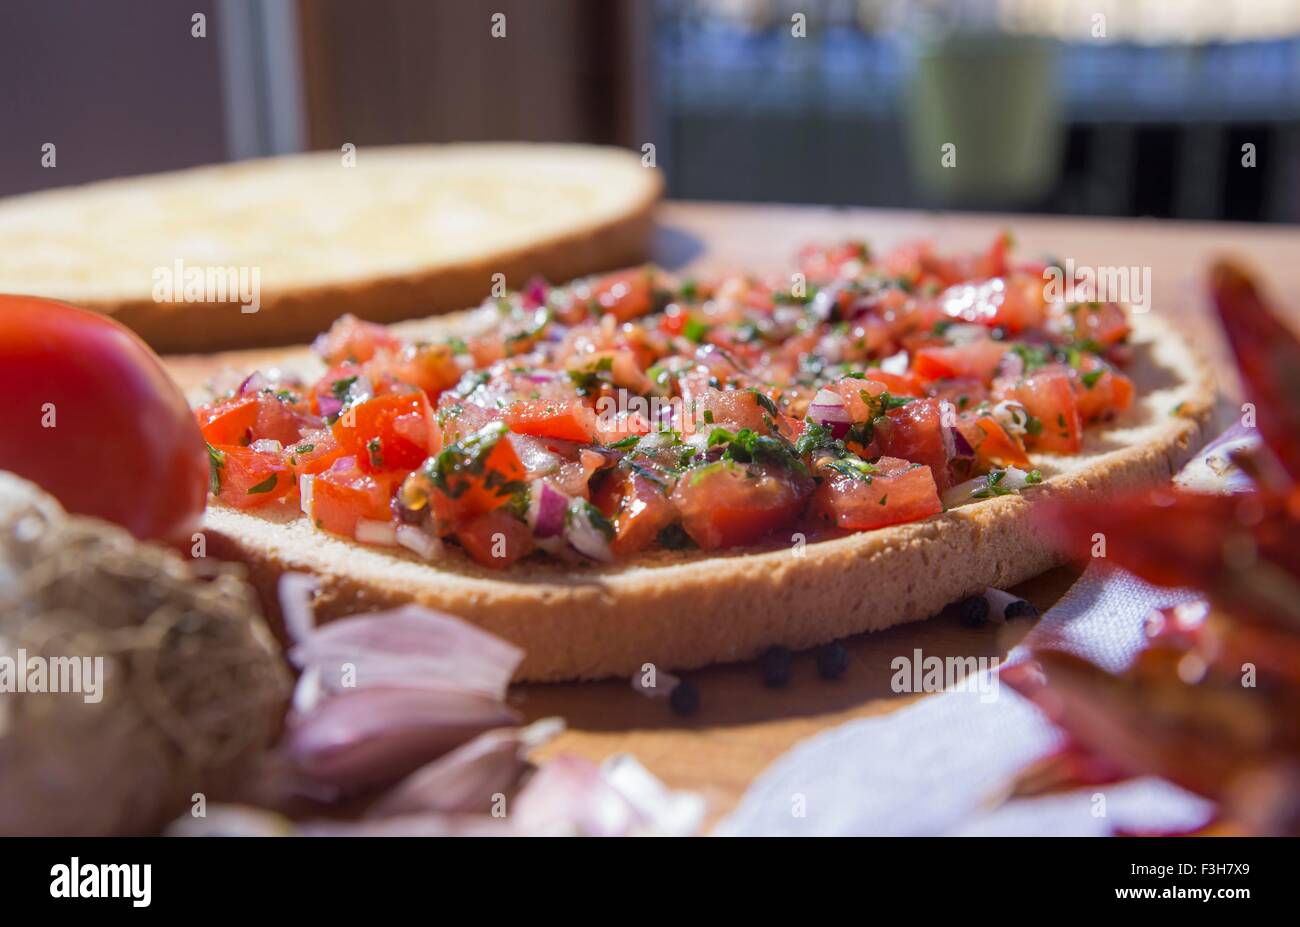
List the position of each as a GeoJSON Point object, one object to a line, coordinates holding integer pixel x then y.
{"type": "Point", "coordinates": [1047, 396]}
{"type": "Point", "coordinates": [992, 445]}
{"type": "Point", "coordinates": [1014, 303]}
{"type": "Point", "coordinates": [495, 539]}
{"type": "Point", "coordinates": [344, 494]}
{"type": "Point", "coordinates": [246, 418]}
{"type": "Point", "coordinates": [388, 432]}
{"type": "Point", "coordinates": [1100, 390]}
{"type": "Point", "coordinates": [432, 367]}
{"type": "Point", "coordinates": [626, 295]}
{"type": "Point", "coordinates": [727, 504]}
{"type": "Point", "coordinates": [978, 360]}
{"type": "Point", "coordinates": [638, 507]}
{"type": "Point", "coordinates": [568, 420]}
{"type": "Point", "coordinates": [1104, 323]}
{"type": "Point", "coordinates": [478, 474]}
{"type": "Point", "coordinates": [733, 408]}
{"type": "Point", "coordinates": [898, 384]}
{"type": "Point", "coordinates": [245, 478]}
{"type": "Point", "coordinates": [898, 491]}
{"type": "Point", "coordinates": [327, 394]}
{"type": "Point", "coordinates": [351, 340]}
{"type": "Point", "coordinates": [92, 417]}
{"type": "Point", "coordinates": [915, 433]}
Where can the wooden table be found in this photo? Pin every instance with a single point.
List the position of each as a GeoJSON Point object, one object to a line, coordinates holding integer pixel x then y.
{"type": "Point", "coordinates": [743, 726]}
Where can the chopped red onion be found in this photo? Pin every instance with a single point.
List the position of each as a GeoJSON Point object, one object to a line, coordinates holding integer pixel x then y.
{"type": "Point", "coordinates": [546, 509]}
{"type": "Point", "coordinates": [827, 409]}
{"type": "Point", "coordinates": [267, 446]}
{"type": "Point", "coordinates": [330, 406]}
{"type": "Point", "coordinates": [305, 485]}
{"type": "Point", "coordinates": [583, 536]}
{"type": "Point", "coordinates": [252, 383]}
{"type": "Point", "coordinates": [958, 446]}
{"type": "Point", "coordinates": [419, 541]}
{"type": "Point", "coordinates": [370, 531]}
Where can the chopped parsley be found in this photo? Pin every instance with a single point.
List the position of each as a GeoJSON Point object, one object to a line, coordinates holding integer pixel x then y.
{"type": "Point", "coordinates": [216, 461]}
{"type": "Point", "coordinates": [265, 486]}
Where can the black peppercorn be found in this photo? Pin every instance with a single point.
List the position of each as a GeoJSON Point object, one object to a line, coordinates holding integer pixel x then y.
{"type": "Point", "coordinates": [775, 666]}
{"type": "Point", "coordinates": [973, 612]}
{"type": "Point", "coordinates": [685, 698]}
{"type": "Point", "coordinates": [1021, 609]}
{"type": "Point", "coordinates": [832, 660]}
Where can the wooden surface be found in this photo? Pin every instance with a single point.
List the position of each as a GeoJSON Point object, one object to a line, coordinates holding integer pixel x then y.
{"type": "Point", "coordinates": [743, 726]}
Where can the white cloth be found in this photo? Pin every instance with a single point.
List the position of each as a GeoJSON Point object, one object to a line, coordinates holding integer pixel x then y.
{"type": "Point", "coordinates": [941, 766]}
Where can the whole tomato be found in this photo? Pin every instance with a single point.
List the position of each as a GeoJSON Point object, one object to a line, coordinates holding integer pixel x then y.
{"type": "Point", "coordinates": [90, 415]}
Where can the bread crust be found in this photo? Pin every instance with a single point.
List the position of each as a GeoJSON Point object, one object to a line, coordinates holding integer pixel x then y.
{"type": "Point", "coordinates": [681, 610]}
{"type": "Point", "coordinates": [618, 234]}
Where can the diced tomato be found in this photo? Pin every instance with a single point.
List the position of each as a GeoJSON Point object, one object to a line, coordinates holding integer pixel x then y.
{"type": "Point", "coordinates": [978, 359]}
{"type": "Point", "coordinates": [229, 422]}
{"type": "Point", "coordinates": [627, 294]}
{"type": "Point", "coordinates": [431, 367]}
{"type": "Point", "coordinates": [727, 504]}
{"type": "Point", "coordinates": [390, 432]}
{"type": "Point", "coordinates": [1012, 303]}
{"type": "Point", "coordinates": [639, 508]}
{"type": "Point", "coordinates": [860, 397]}
{"type": "Point", "coordinates": [992, 444]}
{"type": "Point", "coordinates": [344, 494]}
{"type": "Point", "coordinates": [568, 420]}
{"type": "Point", "coordinates": [252, 416]}
{"type": "Point", "coordinates": [495, 539]}
{"type": "Point", "coordinates": [732, 408]}
{"type": "Point", "coordinates": [963, 392]}
{"type": "Point", "coordinates": [898, 384]}
{"type": "Point", "coordinates": [915, 433]}
{"type": "Point", "coordinates": [316, 451]}
{"type": "Point", "coordinates": [478, 474]}
{"type": "Point", "coordinates": [821, 263]}
{"type": "Point", "coordinates": [1100, 390]}
{"type": "Point", "coordinates": [1104, 323]}
{"type": "Point", "coordinates": [898, 491]}
{"type": "Point", "coordinates": [350, 340]}
{"type": "Point", "coordinates": [249, 478]}
{"type": "Point", "coordinates": [1047, 396]}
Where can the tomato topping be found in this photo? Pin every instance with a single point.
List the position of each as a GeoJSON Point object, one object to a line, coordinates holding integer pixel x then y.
{"type": "Point", "coordinates": [1103, 323]}
{"type": "Point", "coordinates": [495, 539]}
{"type": "Point", "coordinates": [639, 508]}
{"type": "Point", "coordinates": [1049, 398]}
{"type": "Point", "coordinates": [978, 360]}
{"type": "Point", "coordinates": [728, 504]}
{"type": "Point", "coordinates": [1100, 390]}
{"type": "Point", "coordinates": [350, 340]}
{"type": "Point", "coordinates": [431, 367]}
{"type": "Point", "coordinates": [915, 432]}
{"type": "Point", "coordinates": [992, 444]}
{"type": "Point", "coordinates": [389, 432]}
{"type": "Point", "coordinates": [626, 295]}
{"type": "Point", "coordinates": [245, 479]}
{"type": "Point", "coordinates": [858, 496]}
{"type": "Point", "coordinates": [476, 475]}
{"type": "Point", "coordinates": [246, 418]}
{"type": "Point", "coordinates": [345, 494]}
{"type": "Point", "coordinates": [568, 420]}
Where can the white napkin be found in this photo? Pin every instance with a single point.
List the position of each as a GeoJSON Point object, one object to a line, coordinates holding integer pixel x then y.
{"type": "Point", "coordinates": [941, 765]}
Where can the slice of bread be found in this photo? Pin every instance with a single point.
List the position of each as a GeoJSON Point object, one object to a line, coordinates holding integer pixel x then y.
{"type": "Point", "coordinates": [680, 610]}
{"type": "Point", "coordinates": [403, 232]}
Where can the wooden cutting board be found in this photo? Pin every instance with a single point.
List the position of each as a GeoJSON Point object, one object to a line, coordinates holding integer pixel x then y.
{"type": "Point", "coordinates": [741, 725]}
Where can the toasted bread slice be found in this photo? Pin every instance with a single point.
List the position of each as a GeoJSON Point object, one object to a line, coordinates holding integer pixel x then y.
{"type": "Point", "coordinates": [404, 232]}
{"type": "Point", "coordinates": [680, 610]}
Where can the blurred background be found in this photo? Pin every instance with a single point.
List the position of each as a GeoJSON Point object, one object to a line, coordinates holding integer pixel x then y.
{"type": "Point", "coordinates": [1168, 108]}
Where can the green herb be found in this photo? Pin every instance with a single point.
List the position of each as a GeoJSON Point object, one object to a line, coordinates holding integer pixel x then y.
{"type": "Point", "coordinates": [1032, 355]}
{"type": "Point", "coordinates": [1033, 426]}
{"type": "Point", "coordinates": [629, 441]}
{"type": "Point", "coordinates": [1033, 477]}
{"type": "Point", "coordinates": [993, 486]}
{"type": "Point", "coordinates": [747, 446]}
{"type": "Point", "coordinates": [376, 453]}
{"type": "Point", "coordinates": [216, 461]}
{"type": "Point", "coordinates": [587, 379]}
{"type": "Point", "coordinates": [594, 516]}
{"type": "Point", "coordinates": [851, 465]}
{"type": "Point", "coordinates": [304, 448]}
{"type": "Point", "coordinates": [265, 486]}
{"type": "Point", "coordinates": [708, 416]}
{"type": "Point", "coordinates": [340, 388]}
{"type": "Point", "coordinates": [689, 290]}
{"type": "Point", "coordinates": [695, 330]}
{"type": "Point", "coordinates": [765, 401]}
{"type": "Point", "coordinates": [1091, 377]}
